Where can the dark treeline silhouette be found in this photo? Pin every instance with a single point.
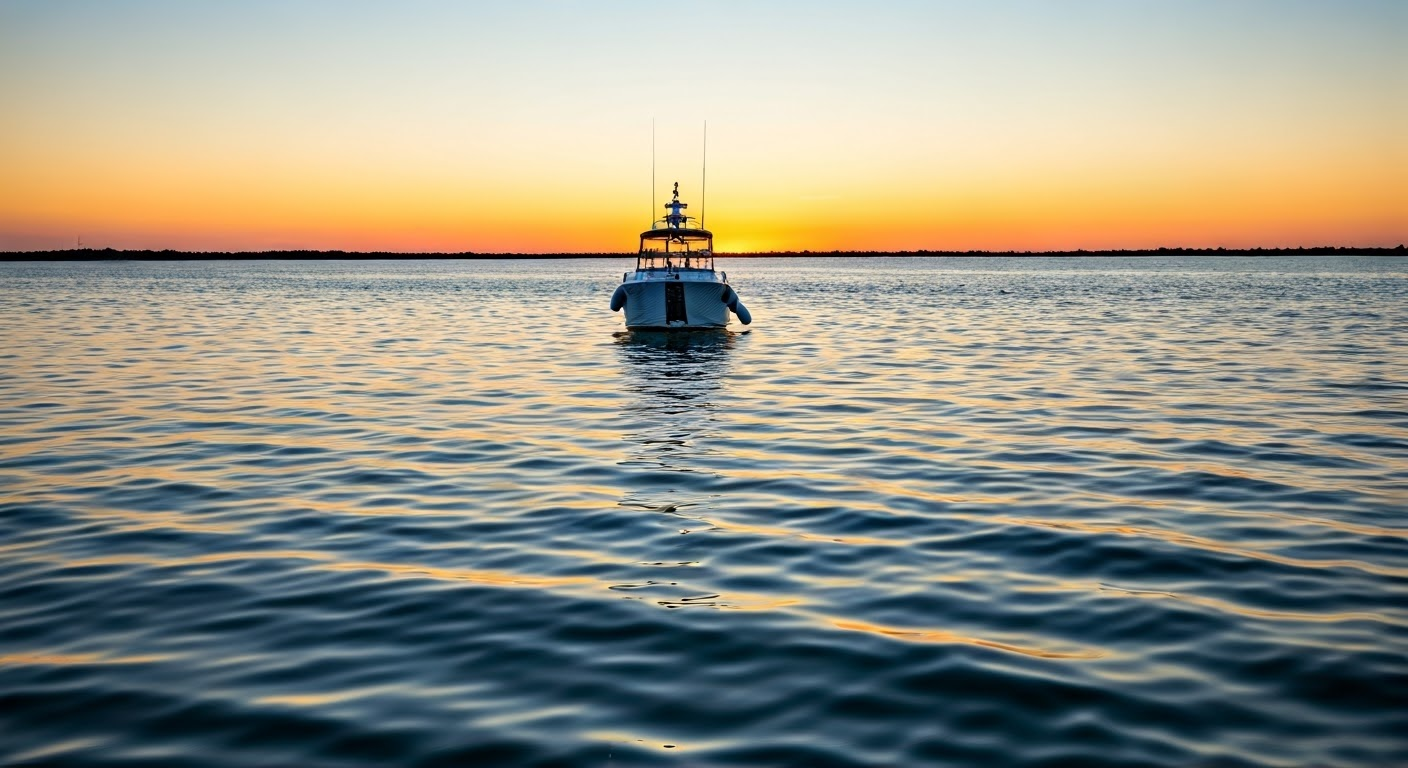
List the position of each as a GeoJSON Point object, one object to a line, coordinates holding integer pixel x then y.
{"type": "Point", "coordinates": [110, 254]}
{"type": "Point", "coordinates": [1319, 250]}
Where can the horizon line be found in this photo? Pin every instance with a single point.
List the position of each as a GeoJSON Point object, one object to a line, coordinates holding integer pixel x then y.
{"type": "Point", "coordinates": [73, 254]}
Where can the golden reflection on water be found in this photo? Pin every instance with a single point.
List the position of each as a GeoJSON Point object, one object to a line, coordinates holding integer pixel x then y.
{"type": "Point", "coordinates": [1224, 606]}
{"type": "Point", "coordinates": [487, 577]}
{"type": "Point", "coordinates": [212, 557]}
{"type": "Point", "coordinates": [734, 600]}
{"type": "Point", "coordinates": [321, 699]}
{"type": "Point", "coordinates": [947, 637]}
{"type": "Point", "coordinates": [617, 737]}
{"type": "Point", "coordinates": [71, 659]}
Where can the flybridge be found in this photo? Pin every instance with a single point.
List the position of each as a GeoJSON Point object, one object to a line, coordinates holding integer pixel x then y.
{"type": "Point", "coordinates": [676, 242]}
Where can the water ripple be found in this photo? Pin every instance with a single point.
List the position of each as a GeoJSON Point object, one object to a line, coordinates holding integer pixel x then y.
{"type": "Point", "coordinates": [922, 512]}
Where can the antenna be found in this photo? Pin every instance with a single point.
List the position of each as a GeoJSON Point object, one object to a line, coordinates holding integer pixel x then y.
{"type": "Point", "coordinates": [652, 173]}
{"type": "Point", "coordinates": [704, 175]}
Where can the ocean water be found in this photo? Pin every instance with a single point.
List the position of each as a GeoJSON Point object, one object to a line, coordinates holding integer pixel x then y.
{"type": "Point", "coordinates": [923, 512]}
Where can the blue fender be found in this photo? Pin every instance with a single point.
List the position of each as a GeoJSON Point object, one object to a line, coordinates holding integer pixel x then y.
{"type": "Point", "coordinates": [618, 298]}
{"type": "Point", "coordinates": [742, 312]}
{"type": "Point", "coordinates": [730, 300]}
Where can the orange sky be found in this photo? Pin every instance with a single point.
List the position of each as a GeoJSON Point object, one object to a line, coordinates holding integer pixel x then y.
{"type": "Point", "coordinates": [527, 127]}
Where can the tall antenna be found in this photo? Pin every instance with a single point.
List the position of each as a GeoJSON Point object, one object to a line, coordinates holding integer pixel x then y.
{"type": "Point", "coordinates": [652, 172]}
{"type": "Point", "coordinates": [704, 175]}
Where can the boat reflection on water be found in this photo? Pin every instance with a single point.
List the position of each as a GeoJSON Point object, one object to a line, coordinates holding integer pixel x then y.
{"type": "Point", "coordinates": [673, 481]}
{"type": "Point", "coordinates": [676, 378]}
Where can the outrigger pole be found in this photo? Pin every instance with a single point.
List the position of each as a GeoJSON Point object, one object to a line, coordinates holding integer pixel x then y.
{"type": "Point", "coordinates": [652, 172]}
{"type": "Point", "coordinates": [704, 175]}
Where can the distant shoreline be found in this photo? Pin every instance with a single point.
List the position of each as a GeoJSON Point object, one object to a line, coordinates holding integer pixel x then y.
{"type": "Point", "coordinates": [110, 254]}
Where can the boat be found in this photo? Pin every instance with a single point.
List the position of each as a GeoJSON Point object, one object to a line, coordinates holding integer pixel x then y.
{"type": "Point", "coordinates": [674, 286]}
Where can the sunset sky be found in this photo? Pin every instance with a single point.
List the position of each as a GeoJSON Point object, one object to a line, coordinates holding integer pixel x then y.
{"type": "Point", "coordinates": [525, 126]}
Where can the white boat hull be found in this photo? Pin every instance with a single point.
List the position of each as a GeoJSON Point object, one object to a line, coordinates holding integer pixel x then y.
{"type": "Point", "coordinates": [677, 304]}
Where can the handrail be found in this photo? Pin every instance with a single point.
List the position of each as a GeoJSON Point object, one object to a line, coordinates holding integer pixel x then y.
{"type": "Point", "coordinates": [665, 224]}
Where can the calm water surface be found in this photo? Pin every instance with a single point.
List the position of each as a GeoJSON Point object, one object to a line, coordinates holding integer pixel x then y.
{"type": "Point", "coordinates": [923, 512]}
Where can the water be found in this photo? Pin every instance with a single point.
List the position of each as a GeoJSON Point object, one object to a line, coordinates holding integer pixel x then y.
{"type": "Point", "coordinates": [924, 512]}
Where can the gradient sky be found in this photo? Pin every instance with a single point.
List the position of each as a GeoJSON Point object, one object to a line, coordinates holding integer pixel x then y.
{"type": "Point", "coordinates": [525, 126]}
